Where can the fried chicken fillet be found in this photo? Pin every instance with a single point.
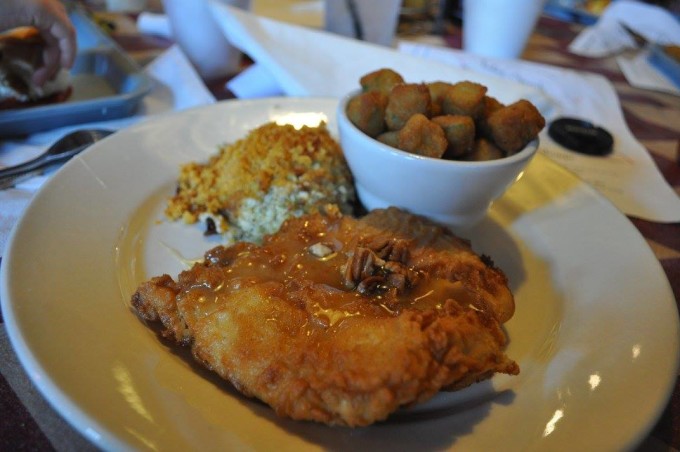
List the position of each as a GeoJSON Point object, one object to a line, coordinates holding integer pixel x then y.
{"type": "Point", "coordinates": [340, 320]}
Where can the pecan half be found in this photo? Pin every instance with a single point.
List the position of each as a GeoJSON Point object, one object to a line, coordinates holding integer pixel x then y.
{"type": "Point", "coordinates": [386, 258]}
{"type": "Point", "coordinates": [362, 264]}
{"type": "Point", "coordinates": [371, 284]}
{"type": "Point", "coordinates": [399, 251]}
{"type": "Point", "coordinates": [397, 281]}
{"type": "Point", "coordinates": [390, 249]}
{"type": "Point", "coordinates": [400, 276]}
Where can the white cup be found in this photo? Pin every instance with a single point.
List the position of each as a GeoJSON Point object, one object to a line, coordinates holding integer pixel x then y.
{"type": "Point", "coordinates": [499, 28]}
{"type": "Point", "coordinates": [376, 20]}
{"type": "Point", "coordinates": [201, 38]}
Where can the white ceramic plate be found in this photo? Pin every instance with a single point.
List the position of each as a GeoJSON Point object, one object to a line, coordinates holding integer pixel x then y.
{"type": "Point", "coordinates": [595, 332]}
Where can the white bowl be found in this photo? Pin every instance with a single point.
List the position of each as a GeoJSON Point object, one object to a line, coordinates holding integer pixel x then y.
{"type": "Point", "coordinates": [454, 193]}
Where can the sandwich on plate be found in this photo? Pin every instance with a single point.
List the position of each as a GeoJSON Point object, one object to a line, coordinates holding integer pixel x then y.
{"type": "Point", "coordinates": [21, 54]}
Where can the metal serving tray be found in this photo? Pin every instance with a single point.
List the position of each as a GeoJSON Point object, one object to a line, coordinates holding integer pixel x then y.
{"type": "Point", "coordinates": [107, 84]}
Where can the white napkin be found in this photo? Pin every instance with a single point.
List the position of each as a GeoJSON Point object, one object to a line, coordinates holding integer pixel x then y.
{"type": "Point", "coordinates": [253, 82]}
{"type": "Point", "coordinates": [628, 177]}
{"type": "Point", "coordinates": [333, 65]}
{"type": "Point", "coordinates": [176, 87]}
{"type": "Point", "coordinates": [607, 37]}
{"type": "Point", "coordinates": [640, 73]}
{"type": "Point", "coordinates": [307, 62]}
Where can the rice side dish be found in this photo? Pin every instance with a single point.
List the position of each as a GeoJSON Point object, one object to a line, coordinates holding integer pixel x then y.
{"type": "Point", "coordinates": [249, 188]}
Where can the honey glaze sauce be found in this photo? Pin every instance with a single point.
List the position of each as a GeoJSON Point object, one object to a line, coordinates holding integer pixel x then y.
{"type": "Point", "coordinates": [306, 265]}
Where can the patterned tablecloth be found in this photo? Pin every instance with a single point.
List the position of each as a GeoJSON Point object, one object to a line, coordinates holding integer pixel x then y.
{"type": "Point", "coordinates": [27, 422]}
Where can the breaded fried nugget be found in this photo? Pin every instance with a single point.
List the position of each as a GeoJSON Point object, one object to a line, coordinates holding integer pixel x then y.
{"type": "Point", "coordinates": [405, 101]}
{"type": "Point", "coordinates": [511, 128]}
{"type": "Point", "coordinates": [460, 133]}
{"type": "Point", "coordinates": [390, 138]}
{"type": "Point", "coordinates": [438, 91]}
{"type": "Point", "coordinates": [464, 98]}
{"type": "Point", "coordinates": [491, 105]}
{"type": "Point", "coordinates": [423, 137]}
{"type": "Point", "coordinates": [382, 80]}
{"type": "Point", "coordinates": [367, 112]}
{"type": "Point", "coordinates": [484, 150]}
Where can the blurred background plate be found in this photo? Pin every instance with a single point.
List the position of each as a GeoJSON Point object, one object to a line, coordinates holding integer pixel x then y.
{"type": "Point", "coordinates": [107, 84]}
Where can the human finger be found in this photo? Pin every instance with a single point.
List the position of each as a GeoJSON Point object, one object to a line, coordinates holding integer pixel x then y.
{"type": "Point", "coordinates": [65, 35]}
{"type": "Point", "coordinates": [50, 66]}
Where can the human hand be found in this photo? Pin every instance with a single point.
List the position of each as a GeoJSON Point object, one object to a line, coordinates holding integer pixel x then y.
{"type": "Point", "coordinates": [51, 19]}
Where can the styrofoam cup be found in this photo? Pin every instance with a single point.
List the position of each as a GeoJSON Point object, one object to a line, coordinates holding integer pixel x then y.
{"type": "Point", "coordinates": [499, 28]}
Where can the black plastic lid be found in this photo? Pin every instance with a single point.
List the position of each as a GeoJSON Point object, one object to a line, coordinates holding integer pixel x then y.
{"type": "Point", "coordinates": [581, 136]}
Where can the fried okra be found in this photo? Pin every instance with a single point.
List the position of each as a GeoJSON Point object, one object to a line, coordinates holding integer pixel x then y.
{"type": "Point", "coordinates": [390, 138]}
{"type": "Point", "coordinates": [422, 136]}
{"type": "Point", "coordinates": [491, 105]}
{"type": "Point", "coordinates": [456, 121]}
{"type": "Point", "coordinates": [437, 92]}
{"type": "Point", "coordinates": [484, 150]}
{"type": "Point", "coordinates": [382, 80]}
{"type": "Point", "coordinates": [367, 112]}
{"type": "Point", "coordinates": [512, 127]}
{"type": "Point", "coordinates": [405, 101]}
{"type": "Point", "coordinates": [460, 134]}
{"type": "Point", "coordinates": [464, 98]}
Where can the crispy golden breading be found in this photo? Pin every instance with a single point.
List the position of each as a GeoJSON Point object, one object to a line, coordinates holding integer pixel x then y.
{"type": "Point", "coordinates": [405, 101]}
{"type": "Point", "coordinates": [382, 80]}
{"type": "Point", "coordinates": [464, 98]}
{"type": "Point", "coordinates": [251, 186]}
{"type": "Point", "coordinates": [422, 136]}
{"type": "Point", "coordinates": [367, 112]}
{"type": "Point", "coordinates": [514, 126]}
{"type": "Point", "coordinates": [484, 149]}
{"type": "Point", "coordinates": [491, 105]}
{"type": "Point", "coordinates": [460, 134]}
{"type": "Point", "coordinates": [437, 92]}
{"type": "Point", "coordinates": [390, 138]}
{"type": "Point", "coordinates": [340, 320]}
